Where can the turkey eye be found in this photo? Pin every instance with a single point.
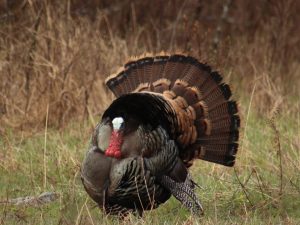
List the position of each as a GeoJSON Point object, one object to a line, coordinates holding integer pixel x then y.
{"type": "Point", "coordinates": [103, 137]}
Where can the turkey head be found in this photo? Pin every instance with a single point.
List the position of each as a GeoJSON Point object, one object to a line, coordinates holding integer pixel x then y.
{"type": "Point", "coordinates": [117, 137]}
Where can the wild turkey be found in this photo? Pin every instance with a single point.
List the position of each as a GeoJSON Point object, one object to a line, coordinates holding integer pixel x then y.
{"type": "Point", "coordinates": [169, 111]}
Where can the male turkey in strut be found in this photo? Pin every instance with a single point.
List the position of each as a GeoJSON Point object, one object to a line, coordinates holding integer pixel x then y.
{"type": "Point", "coordinates": [169, 111]}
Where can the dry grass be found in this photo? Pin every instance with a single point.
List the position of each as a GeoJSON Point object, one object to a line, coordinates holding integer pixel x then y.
{"type": "Point", "coordinates": [50, 57]}
{"type": "Point", "coordinates": [54, 57]}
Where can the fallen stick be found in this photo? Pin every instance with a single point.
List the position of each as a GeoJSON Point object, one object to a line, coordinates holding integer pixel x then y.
{"type": "Point", "coordinates": [42, 199]}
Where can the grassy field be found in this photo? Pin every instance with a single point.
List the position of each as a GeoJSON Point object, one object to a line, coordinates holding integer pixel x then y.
{"type": "Point", "coordinates": [263, 187]}
{"type": "Point", "coordinates": [54, 58]}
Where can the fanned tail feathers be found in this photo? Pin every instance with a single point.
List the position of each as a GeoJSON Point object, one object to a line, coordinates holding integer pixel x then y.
{"type": "Point", "coordinates": [207, 121]}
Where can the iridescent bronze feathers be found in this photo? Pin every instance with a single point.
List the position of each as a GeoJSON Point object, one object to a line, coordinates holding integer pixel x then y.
{"type": "Point", "coordinates": [206, 122]}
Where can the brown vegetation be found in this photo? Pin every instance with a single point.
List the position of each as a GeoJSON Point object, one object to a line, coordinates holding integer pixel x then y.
{"type": "Point", "coordinates": [54, 55]}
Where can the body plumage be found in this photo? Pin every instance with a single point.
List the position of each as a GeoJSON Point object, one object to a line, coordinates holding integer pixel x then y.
{"type": "Point", "coordinates": [169, 111]}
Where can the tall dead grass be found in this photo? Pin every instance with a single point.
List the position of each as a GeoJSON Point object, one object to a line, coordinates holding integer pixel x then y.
{"type": "Point", "coordinates": [54, 55]}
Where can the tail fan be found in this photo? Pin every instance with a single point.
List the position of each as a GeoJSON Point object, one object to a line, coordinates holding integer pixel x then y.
{"type": "Point", "coordinates": [206, 121]}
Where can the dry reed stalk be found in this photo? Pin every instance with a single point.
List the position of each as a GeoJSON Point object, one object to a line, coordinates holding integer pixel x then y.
{"type": "Point", "coordinates": [277, 142]}
{"type": "Point", "coordinates": [243, 186]}
{"type": "Point", "coordinates": [45, 150]}
{"type": "Point", "coordinates": [78, 219]}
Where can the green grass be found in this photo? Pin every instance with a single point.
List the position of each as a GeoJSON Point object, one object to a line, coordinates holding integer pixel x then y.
{"type": "Point", "coordinates": [249, 193]}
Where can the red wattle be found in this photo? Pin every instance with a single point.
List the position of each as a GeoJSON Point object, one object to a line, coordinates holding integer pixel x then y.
{"type": "Point", "coordinates": [114, 147]}
{"type": "Point", "coordinates": [117, 154]}
{"type": "Point", "coordinates": [108, 153]}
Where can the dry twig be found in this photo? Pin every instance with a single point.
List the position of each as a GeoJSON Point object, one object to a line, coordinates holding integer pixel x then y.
{"type": "Point", "coordinates": [42, 199]}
